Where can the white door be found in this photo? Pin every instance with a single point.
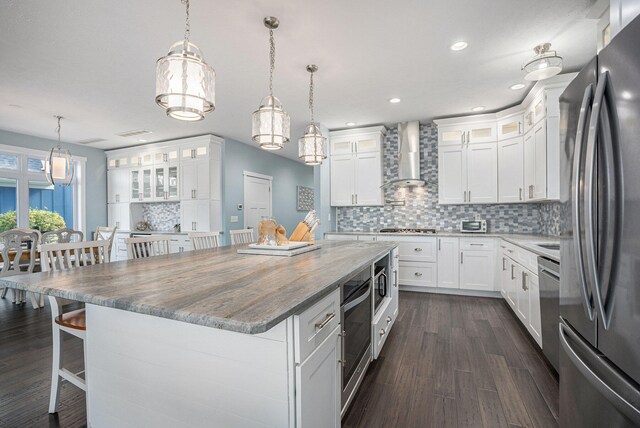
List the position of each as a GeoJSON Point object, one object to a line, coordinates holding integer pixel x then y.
{"type": "Point", "coordinates": [510, 170]}
{"type": "Point", "coordinates": [342, 180]}
{"type": "Point", "coordinates": [452, 174]}
{"type": "Point", "coordinates": [482, 170]}
{"type": "Point", "coordinates": [368, 179]}
{"type": "Point", "coordinates": [540, 150]}
{"type": "Point", "coordinates": [118, 216]}
{"type": "Point", "coordinates": [477, 270]}
{"type": "Point", "coordinates": [448, 263]}
{"type": "Point", "coordinates": [535, 319]}
{"type": "Point", "coordinates": [257, 199]}
{"type": "Point", "coordinates": [319, 386]}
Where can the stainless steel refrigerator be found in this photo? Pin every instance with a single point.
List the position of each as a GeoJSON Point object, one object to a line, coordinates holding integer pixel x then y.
{"type": "Point", "coordinates": [599, 324]}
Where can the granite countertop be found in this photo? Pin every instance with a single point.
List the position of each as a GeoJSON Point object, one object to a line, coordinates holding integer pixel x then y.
{"type": "Point", "coordinates": [523, 240]}
{"type": "Point", "coordinates": [216, 288]}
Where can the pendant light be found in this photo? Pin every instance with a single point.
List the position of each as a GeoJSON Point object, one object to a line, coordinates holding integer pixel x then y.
{"type": "Point", "coordinates": [185, 84]}
{"type": "Point", "coordinates": [58, 166]}
{"type": "Point", "coordinates": [270, 123]}
{"type": "Point", "coordinates": [544, 65]}
{"type": "Point", "coordinates": [312, 145]}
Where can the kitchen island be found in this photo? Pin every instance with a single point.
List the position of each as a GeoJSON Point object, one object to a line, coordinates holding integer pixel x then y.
{"type": "Point", "coordinates": [211, 337]}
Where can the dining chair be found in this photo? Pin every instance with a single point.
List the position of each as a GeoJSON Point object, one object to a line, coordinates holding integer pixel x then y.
{"type": "Point", "coordinates": [241, 236]}
{"type": "Point", "coordinates": [62, 257]}
{"type": "Point", "coordinates": [105, 232]}
{"type": "Point", "coordinates": [19, 258]}
{"type": "Point", "coordinates": [204, 240]}
{"type": "Point", "coordinates": [148, 246]}
{"type": "Point", "coordinates": [62, 236]}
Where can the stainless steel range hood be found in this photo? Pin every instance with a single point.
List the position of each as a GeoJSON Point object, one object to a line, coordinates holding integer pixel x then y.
{"type": "Point", "coordinates": [408, 156]}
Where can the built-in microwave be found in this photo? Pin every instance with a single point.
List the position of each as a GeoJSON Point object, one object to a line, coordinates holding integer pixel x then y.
{"type": "Point", "coordinates": [473, 226]}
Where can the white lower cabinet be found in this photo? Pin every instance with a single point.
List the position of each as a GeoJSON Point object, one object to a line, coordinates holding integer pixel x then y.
{"type": "Point", "coordinates": [535, 319]}
{"type": "Point", "coordinates": [477, 270]}
{"type": "Point", "coordinates": [448, 263]}
{"type": "Point", "coordinates": [318, 385]}
{"type": "Point", "coordinates": [194, 215]}
{"type": "Point", "coordinates": [418, 274]}
{"type": "Point", "coordinates": [118, 216]}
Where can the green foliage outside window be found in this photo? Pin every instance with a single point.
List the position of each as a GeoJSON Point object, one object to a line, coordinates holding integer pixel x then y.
{"type": "Point", "coordinates": [41, 220]}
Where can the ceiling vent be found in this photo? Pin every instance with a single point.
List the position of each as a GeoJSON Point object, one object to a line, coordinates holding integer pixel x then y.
{"type": "Point", "coordinates": [135, 133]}
{"type": "Point", "coordinates": [91, 141]}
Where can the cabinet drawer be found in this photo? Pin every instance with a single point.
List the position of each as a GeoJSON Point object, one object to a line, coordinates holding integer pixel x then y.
{"type": "Point", "coordinates": [381, 328]}
{"type": "Point", "coordinates": [423, 250]}
{"type": "Point", "coordinates": [418, 273]}
{"type": "Point", "coordinates": [528, 259]}
{"type": "Point", "coordinates": [338, 237]}
{"type": "Point", "coordinates": [477, 244]}
{"type": "Point", "coordinates": [315, 324]}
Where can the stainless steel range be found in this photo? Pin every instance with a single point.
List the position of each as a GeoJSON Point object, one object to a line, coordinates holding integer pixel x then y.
{"type": "Point", "coordinates": [408, 230]}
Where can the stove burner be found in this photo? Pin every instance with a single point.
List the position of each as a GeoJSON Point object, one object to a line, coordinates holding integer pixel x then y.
{"type": "Point", "coordinates": [407, 230]}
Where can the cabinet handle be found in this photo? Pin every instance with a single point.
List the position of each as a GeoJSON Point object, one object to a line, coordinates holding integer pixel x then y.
{"type": "Point", "coordinates": [468, 136]}
{"type": "Point", "coordinates": [469, 195]}
{"type": "Point", "coordinates": [504, 264]}
{"type": "Point", "coordinates": [439, 244]}
{"type": "Point", "coordinates": [382, 332]}
{"type": "Point", "coordinates": [388, 320]}
{"type": "Point", "coordinates": [164, 157]}
{"type": "Point", "coordinates": [476, 245]}
{"type": "Point", "coordinates": [465, 195]}
{"type": "Point", "coordinates": [519, 127]}
{"type": "Point", "coordinates": [193, 153]}
{"type": "Point", "coordinates": [327, 320]}
{"type": "Point", "coordinates": [513, 276]}
{"type": "Point", "coordinates": [356, 199]}
{"type": "Point", "coordinates": [524, 281]}
{"type": "Point", "coordinates": [531, 191]}
{"type": "Point", "coordinates": [520, 194]}
{"type": "Point", "coordinates": [118, 224]}
{"type": "Point", "coordinates": [418, 274]}
{"type": "Point", "coordinates": [461, 257]}
{"type": "Point", "coordinates": [193, 225]}
{"type": "Point", "coordinates": [418, 249]}
{"type": "Point", "coordinates": [117, 198]}
{"type": "Point", "coordinates": [462, 137]}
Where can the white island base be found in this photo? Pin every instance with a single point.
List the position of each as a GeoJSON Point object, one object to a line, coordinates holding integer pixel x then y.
{"type": "Point", "coordinates": [146, 371]}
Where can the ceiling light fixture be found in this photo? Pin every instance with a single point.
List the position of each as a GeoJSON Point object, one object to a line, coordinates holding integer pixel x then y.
{"type": "Point", "coordinates": [270, 123]}
{"type": "Point", "coordinates": [350, 124]}
{"type": "Point", "coordinates": [479, 108]}
{"type": "Point", "coordinates": [517, 86]}
{"type": "Point", "coordinates": [185, 83]}
{"type": "Point", "coordinates": [394, 100]}
{"type": "Point", "coordinates": [312, 145]}
{"type": "Point", "coordinates": [458, 46]}
{"type": "Point", "coordinates": [544, 65]}
{"type": "Point", "coordinates": [58, 166]}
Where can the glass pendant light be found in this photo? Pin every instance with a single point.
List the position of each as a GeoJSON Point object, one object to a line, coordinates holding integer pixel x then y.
{"type": "Point", "coordinates": [312, 145]}
{"type": "Point", "coordinates": [544, 65]}
{"type": "Point", "coordinates": [185, 84]}
{"type": "Point", "coordinates": [58, 166]}
{"type": "Point", "coordinates": [270, 123]}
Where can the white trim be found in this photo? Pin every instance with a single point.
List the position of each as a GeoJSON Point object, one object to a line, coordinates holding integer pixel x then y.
{"type": "Point", "coordinates": [256, 175]}
{"type": "Point", "coordinates": [34, 152]}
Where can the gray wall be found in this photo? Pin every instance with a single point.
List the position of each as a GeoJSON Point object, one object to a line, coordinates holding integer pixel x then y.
{"type": "Point", "coordinates": [422, 208]}
{"type": "Point", "coordinates": [96, 172]}
{"type": "Point", "coordinates": [286, 173]}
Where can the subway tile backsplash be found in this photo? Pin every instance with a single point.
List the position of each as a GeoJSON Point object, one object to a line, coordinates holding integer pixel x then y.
{"type": "Point", "coordinates": [421, 207]}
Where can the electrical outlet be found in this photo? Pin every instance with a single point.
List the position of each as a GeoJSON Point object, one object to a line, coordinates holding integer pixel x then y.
{"type": "Point", "coordinates": [234, 219]}
{"type": "Point", "coordinates": [240, 207]}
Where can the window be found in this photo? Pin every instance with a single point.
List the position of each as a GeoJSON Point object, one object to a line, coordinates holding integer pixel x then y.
{"type": "Point", "coordinates": [27, 199]}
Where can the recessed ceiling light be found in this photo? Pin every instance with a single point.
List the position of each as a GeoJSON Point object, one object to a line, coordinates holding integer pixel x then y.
{"type": "Point", "coordinates": [479, 108]}
{"type": "Point", "coordinates": [626, 95]}
{"type": "Point", "coordinates": [15, 106]}
{"type": "Point", "coordinates": [394, 100]}
{"type": "Point", "coordinates": [142, 140]}
{"type": "Point", "coordinates": [517, 86]}
{"type": "Point", "coordinates": [350, 124]}
{"type": "Point", "coordinates": [458, 46]}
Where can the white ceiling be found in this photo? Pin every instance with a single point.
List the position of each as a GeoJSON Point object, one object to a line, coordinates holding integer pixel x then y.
{"type": "Point", "coordinates": [93, 61]}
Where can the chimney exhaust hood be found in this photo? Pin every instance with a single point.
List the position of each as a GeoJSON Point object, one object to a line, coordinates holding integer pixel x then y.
{"type": "Point", "coordinates": [408, 156]}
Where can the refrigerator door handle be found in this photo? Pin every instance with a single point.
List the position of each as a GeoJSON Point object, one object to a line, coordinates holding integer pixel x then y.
{"type": "Point", "coordinates": [577, 199]}
{"type": "Point", "coordinates": [625, 398]}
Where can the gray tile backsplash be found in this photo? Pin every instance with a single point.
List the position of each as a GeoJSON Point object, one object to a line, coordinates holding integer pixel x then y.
{"type": "Point", "coordinates": [161, 216]}
{"type": "Point", "coordinates": [421, 207]}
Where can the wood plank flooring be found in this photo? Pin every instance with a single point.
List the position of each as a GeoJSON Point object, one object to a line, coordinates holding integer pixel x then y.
{"type": "Point", "coordinates": [450, 361]}
{"type": "Point", "coordinates": [454, 361]}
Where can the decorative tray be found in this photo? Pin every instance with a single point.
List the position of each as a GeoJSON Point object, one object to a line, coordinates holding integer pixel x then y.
{"type": "Point", "coordinates": [278, 251]}
{"type": "Point", "coordinates": [290, 246]}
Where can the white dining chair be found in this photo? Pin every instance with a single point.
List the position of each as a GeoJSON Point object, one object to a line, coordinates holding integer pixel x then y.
{"type": "Point", "coordinates": [204, 240]}
{"type": "Point", "coordinates": [241, 236]}
{"type": "Point", "coordinates": [62, 236]}
{"type": "Point", "coordinates": [61, 257]}
{"type": "Point", "coordinates": [148, 246]}
{"type": "Point", "coordinates": [15, 243]}
{"type": "Point", "coordinates": [105, 232]}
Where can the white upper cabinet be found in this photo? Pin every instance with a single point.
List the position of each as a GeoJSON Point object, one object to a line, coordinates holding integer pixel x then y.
{"type": "Point", "coordinates": [482, 133]}
{"type": "Point", "coordinates": [510, 170]}
{"type": "Point", "coordinates": [452, 174]}
{"type": "Point", "coordinates": [118, 162]}
{"type": "Point", "coordinates": [194, 151]}
{"type": "Point", "coordinates": [165, 156]}
{"type": "Point", "coordinates": [356, 167]}
{"type": "Point", "coordinates": [535, 163]}
{"type": "Point", "coordinates": [195, 180]}
{"type": "Point", "coordinates": [482, 173]}
{"type": "Point", "coordinates": [118, 186]}
{"type": "Point", "coordinates": [535, 111]}
{"type": "Point", "coordinates": [512, 126]}
{"type": "Point", "coordinates": [451, 135]}
{"type": "Point", "coordinates": [465, 133]}
{"type": "Point", "coordinates": [166, 183]}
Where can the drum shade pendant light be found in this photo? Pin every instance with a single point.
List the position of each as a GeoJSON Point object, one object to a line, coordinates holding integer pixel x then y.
{"type": "Point", "coordinates": [312, 145]}
{"type": "Point", "coordinates": [544, 65]}
{"type": "Point", "coordinates": [270, 123]}
{"type": "Point", "coordinates": [185, 84]}
{"type": "Point", "coordinates": [58, 166]}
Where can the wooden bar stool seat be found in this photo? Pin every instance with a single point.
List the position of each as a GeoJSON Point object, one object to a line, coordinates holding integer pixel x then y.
{"type": "Point", "coordinates": [74, 319]}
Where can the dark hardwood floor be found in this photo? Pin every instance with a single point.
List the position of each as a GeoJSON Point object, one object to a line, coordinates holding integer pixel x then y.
{"type": "Point", "coordinates": [449, 362]}
{"type": "Point", "coordinates": [453, 361]}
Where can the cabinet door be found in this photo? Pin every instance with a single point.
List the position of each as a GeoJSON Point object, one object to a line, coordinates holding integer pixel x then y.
{"type": "Point", "coordinates": [540, 150]}
{"type": "Point", "coordinates": [510, 170]}
{"type": "Point", "coordinates": [342, 146]}
{"type": "Point", "coordinates": [160, 180]}
{"type": "Point", "coordinates": [477, 270]}
{"type": "Point", "coordinates": [136, 188]}
{"type": "Point", "coordinates": [342, 180]}
{"type": "Point", "coordinates": [195, 215]}
{"type": "Point", "coordinates": [172, 182]}
{"type": "Point", "coordinates": [419, 274]}
{"type": "Point", "coordinates": [368, 179]}
{"type": "Point", "coordinates": [510, 127]}
{"type": "Point", "coordinates": [482, 133]}
{"type": "Point", "coordinates": [319, 386]}
{"type": "Point", "coordinates": [512, 290]}
{"type": "Point", "coordinates": [118, 186]}
{"type": "Point", "coordinates": [452, 174]}
{"type": "Point", "coordinates": [368, 144]}
{"type": "Point", "coordinates": [535, 319]}
{"type": "Point", "coordinates": [505, 276]}
{"type": "Point", "coordinates": [198, 151]}
{"type": "Point", "coordinates": [448, 263]}
{"type": "Point", "coordinates": [482, 170]}
{"type": "Point", "coordinates": [118, 216]}
{"type": "Point", "coordinates": [146, 159]}
{"type": "Point", "coordinates": [195, 180]}
{"type": "Point", "coordinates": [147, 184]}
{"type": "Point", "coordinates": [522, 306]}
{"type": "Point", "coordinates": [452, 135]}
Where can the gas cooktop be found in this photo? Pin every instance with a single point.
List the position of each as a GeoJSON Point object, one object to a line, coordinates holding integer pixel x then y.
{"type": "Point", "coordinates": [407, 230]}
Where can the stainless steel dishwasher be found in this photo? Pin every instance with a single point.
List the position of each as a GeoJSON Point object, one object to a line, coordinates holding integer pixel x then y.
{"type": "Point", "coordinates": [549, 276]}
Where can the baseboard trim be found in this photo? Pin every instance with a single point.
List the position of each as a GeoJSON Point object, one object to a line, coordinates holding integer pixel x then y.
{"type": "Point", "coordinates": [453, 291]}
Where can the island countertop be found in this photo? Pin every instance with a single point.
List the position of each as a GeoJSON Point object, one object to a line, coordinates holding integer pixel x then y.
{"type": "Point", "coordinates": [215, 288]}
